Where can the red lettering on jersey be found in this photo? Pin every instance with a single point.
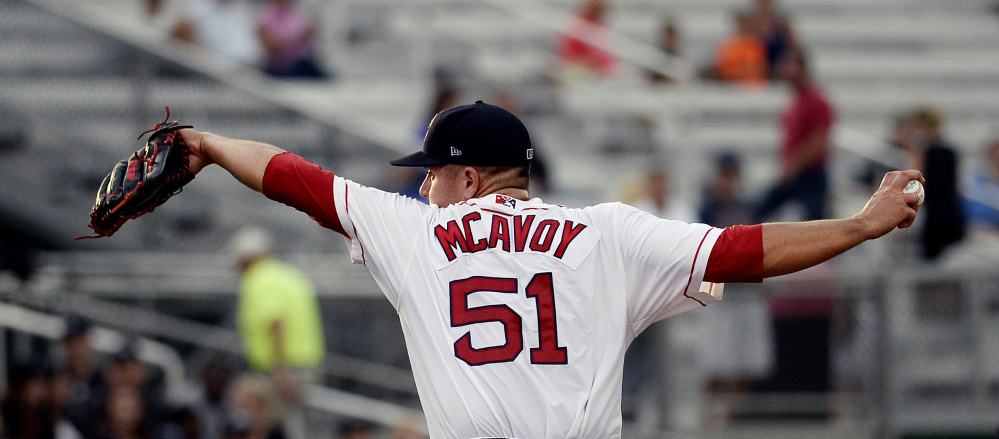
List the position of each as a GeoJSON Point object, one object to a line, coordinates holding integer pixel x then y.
{"type": "Point", "coordinates": [451, 238]}
{"type": "Point", "coordinates": [473, 245]}
{"type": "Point", "coordinates": [569, 232]}
{"type": "Point", "coordinates": [521, 230]}
{"type": "Point", "coordinates": [500, 232]}
{"type": "Point", "coordinates": [546, 230]}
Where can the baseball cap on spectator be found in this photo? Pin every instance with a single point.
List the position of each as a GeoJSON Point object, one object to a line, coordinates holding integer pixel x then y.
{"type": "Point", "coordinates": [128, 350]}
{"type": "Point", "coordinates": [476, 134]}
{"type": "Point", "coordinates": [75, 325]}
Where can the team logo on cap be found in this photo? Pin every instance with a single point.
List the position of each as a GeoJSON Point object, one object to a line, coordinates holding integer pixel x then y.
{"type": "Point", "coordinates": [455, 151]}
{"type": "Point", "coordinates": [530, 153]}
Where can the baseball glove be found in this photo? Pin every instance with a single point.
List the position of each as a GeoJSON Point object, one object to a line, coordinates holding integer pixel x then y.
{"type": "Point", "coordinates": [145, 180]}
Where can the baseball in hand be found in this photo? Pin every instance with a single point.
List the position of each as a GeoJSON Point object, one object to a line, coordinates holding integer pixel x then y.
{"type": "Point", "coordinates": [915, 187]}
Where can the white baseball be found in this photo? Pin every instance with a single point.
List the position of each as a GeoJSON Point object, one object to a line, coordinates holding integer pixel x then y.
{"type": "Point", "coordinates": [915, 187]}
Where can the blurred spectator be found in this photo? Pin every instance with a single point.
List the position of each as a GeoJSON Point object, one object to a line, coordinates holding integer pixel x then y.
{"type": "Point", "coordinates": [942, 220]}
{"type": "Point", "coordinates": [182, 424]}
{"type": "Point", "coordinates": [722, 204]}
{"type": "Point", "coordinates": [657, 198]}
{"type": "Point", "coordinates": [124, 415]}
{"type": "Point", "coordinates": [288, 33]}
{"type": "Point", "coordinates": [742, 347]}
{"type": "Point", "coordinates": [801, 325]}
{"type": "Point", "coordinates": [209, 407]}
{"type": "Point", "coordinates": [356, 429]}
{"type": "Point", "coordinates": [807, 124]}
{"type": "Point", "coordinates": [742, 57]}
{"type": "Point", "coordinates": [26, 407]}
{"type": "Point", "coordinates": [670, 46]}
{"type": "Point", "coordinates": [60, 388]}
{"type": "Point", "coordinates": [225, 27]}
{"type": "Point", "coordinates": [279, 322]}
{"type": "Point", "coordinates": [584, 48]}
{"type": "Point", "coordinates": [981, 192]}
{"type": "Point", "coordinates": [405, 180]}
{"type": "Point", "coordinates": [87, 388]}
{"type": "Point", "coordinates": [776, 32]}
{"type": "Point", "coordinates": [255, 415]}
{"type": "Point", "coordinates": [126, 370]}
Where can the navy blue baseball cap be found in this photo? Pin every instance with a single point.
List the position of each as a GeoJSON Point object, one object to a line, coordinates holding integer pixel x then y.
{"type": "Point", "coordinates": [476, 134]}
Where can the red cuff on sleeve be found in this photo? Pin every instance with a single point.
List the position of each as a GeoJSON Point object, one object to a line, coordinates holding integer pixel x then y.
{"type": "Point", "coordinates": [737, 256]}
{"type": "Point", "coordinates": [294, 181]}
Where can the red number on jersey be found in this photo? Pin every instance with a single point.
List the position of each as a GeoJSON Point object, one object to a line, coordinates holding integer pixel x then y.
{"type": "Point", "coordinates": [540, 289]}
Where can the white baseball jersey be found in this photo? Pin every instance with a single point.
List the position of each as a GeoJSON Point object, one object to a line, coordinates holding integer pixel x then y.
{"type": "Point", "coordinates": [517, 314]}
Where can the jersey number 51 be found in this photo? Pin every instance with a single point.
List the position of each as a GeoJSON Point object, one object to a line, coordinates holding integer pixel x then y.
{"type": "Point", "coordinates": [540, 289]}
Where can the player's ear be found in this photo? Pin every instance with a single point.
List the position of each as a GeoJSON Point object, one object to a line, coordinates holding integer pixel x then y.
{"type": "Point", "coordinates": [471, 179]}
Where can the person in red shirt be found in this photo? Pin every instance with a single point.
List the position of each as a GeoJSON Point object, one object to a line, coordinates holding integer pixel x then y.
{"type": "Point", "coordinates": [807, 124]}
{"type": "Point", "coordinates": [586, 43]}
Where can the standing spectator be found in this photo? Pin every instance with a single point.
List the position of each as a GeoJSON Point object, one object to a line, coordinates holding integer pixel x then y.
{"type": "Point", "coordinates": [223, 26]}
{"type": "Point", "coordinates": [288, 34]}
{"type": "Point", "coordinates": [807, 124]}
{"type": "Point", "coordinates": [278, 318]}
{"type": "Point", "coordinates": [87, 388]}
{"type": "Point", "coordinates": [407, 181]}
{"type": "Point", "coordinates": [944, 221]}
{"type": "Point", "coordinates": [742, 58]}
{"type": "Point", "coordinates": [981, 192]}
{"type": "Point", "coordinates": [776, 32]}
{"type": "Point", "coordinates": [801, 325]}
{"type": "Point", "coordinates": [585, 48]}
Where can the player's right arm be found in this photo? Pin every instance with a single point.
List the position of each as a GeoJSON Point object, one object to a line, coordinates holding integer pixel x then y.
{"type": "Point", "coordinates": [246, 160]}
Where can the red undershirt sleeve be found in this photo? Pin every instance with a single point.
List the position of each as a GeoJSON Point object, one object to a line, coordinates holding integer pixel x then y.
{"type": "Point", "coordinates": [737, 256]}
{"type": "Point", "coordinates": [296, 182]}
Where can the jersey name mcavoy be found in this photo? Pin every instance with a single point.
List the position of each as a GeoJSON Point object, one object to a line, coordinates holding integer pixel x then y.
{"type": "Point", "coordinates": [511, 233]}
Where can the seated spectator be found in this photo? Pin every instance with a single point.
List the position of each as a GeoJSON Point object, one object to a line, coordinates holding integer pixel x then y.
{"type": "Point", "coordinates": [723, 205]}
{"type": "Point", "coordinates": [585, 48]}
{"type": "Point", "coordinates": [669, 45]}
{"type": "Point", "coordinates": [26, 407]}
{"type": "Point", "coordinates": [252, 398]}
{"type": "Point", "coordinates": [224, 27]}
{"type": "Point", "coordinates": [981, 192]}
{"type": "Point", "coordinates": [124, 416]}
{"type": "Point", "coordinates": [775, 30]}
{"type": "Point", "coordinates": [209, 407]}
{"type": "Point", "coordinates": [288, 35]}
{"type": "Point", "coordinates": [742, 58]}
{"type": "Point", "coordinates": [87, 387]}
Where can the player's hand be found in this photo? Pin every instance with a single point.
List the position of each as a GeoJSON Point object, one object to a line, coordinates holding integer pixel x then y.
{"type": "Point", "coordinates": [889, 208]}
{"type": "Point", "coordinates": [199, 157]}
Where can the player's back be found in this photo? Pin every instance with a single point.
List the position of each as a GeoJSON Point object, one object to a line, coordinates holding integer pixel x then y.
{"type": "Point", "coordinates": [517, 313]}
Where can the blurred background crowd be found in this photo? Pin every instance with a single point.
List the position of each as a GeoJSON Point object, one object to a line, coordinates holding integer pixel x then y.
{"type": "Point", "coordinates": [190, 324]}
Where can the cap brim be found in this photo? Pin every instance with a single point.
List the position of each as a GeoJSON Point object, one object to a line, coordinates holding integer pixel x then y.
{"type": "Point", "coordinates": [418, 158]}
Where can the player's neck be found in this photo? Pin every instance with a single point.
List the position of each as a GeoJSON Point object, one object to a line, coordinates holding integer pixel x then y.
{"type": "Point", "coordinates": [517, 193]}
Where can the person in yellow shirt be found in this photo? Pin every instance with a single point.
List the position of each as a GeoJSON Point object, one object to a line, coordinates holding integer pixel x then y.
{"type": "Point", "coordinates": [279, 322]}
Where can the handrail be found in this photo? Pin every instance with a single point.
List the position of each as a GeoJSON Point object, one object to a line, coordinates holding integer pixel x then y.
{"type": "Point", "coordinates": [167, 327]}
{"type": "Point", "coordinates": [104, 340]}
{"type": "Point", "coordinates": [152, 352]}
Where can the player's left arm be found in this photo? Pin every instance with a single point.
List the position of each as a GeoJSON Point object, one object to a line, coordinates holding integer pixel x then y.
{"type": "Point", "coordinates": [790, 247]}
{"type": "Point", "coordinates": [751, 253]}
